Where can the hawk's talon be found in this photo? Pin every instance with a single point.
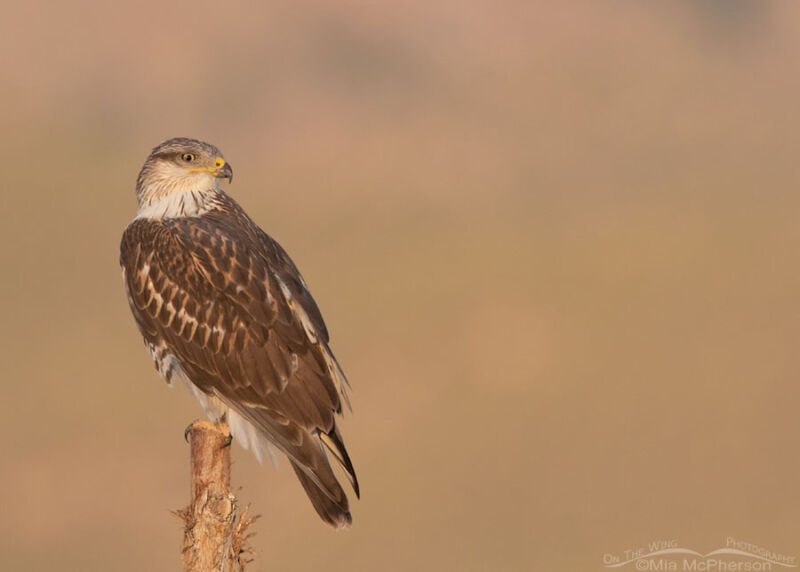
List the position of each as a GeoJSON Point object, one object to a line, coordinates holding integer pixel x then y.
{"type": "Point", "coordinates": [228, 441]}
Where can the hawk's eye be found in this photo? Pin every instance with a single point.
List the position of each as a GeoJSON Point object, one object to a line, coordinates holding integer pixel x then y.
{"type": "Point", "coordinates": [188, 157]}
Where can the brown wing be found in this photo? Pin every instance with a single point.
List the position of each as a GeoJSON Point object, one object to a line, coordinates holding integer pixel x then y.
{"type": "Point", "coordinates": [235, 312]}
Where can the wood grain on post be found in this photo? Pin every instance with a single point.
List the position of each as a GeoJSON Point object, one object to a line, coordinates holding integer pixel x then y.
{"type": "Point", "coordinates": [214, 532]}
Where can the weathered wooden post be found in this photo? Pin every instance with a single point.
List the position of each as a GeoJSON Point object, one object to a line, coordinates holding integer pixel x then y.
{"type": "Point", "coordinates": [214, 536]}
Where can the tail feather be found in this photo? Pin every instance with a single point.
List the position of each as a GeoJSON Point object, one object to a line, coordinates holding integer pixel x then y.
{"type": "Point", "coordinates": [334, 513]}
{"type": "Point", "coordinates": [307, 453]}
{"type": "Point", "coordinates": [335, 445]}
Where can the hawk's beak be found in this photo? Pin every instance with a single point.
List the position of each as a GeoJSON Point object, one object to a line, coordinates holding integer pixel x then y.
{"type": "Point", "coordinates": [221, 169]}
{"type": "Point", "coordinates": [224, 172]}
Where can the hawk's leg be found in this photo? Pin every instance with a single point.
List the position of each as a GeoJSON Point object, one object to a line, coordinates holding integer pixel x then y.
{"type": "Point", "coordinates": [222, 425]}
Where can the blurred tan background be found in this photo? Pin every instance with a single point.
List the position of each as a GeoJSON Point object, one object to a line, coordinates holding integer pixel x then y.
{"type": "Point", "coordinates": [556, 245]}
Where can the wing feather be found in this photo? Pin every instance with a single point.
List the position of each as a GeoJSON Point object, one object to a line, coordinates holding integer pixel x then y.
{"type": "Point", "coordinates": [235, 311]}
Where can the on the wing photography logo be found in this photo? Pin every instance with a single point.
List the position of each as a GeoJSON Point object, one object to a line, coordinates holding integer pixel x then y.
{"type": "Point", "coordinates": [668, 555]}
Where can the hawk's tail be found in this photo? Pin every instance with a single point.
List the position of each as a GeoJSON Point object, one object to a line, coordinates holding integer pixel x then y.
{"type": "Point", "coordinates": [307, 454]}
{"type": "Point", "coordinates": [334, 512]}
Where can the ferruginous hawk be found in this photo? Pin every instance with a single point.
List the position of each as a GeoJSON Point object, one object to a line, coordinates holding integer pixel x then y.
{"type": "Point", "coordinates": [223, 308]}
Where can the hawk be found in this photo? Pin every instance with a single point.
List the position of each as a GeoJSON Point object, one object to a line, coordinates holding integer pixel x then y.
{"type": "Point", "coordinates": [223, 308]}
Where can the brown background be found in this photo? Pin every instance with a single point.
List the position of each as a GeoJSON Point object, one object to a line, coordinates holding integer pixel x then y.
{"type": "Point", "coordinates": [555, 243]}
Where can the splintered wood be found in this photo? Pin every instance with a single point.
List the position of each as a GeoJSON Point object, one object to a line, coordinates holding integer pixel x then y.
{"type": "Point", "coordinates": [214, 530]}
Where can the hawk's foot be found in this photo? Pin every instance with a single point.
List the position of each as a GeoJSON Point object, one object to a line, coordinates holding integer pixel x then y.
{"type": "Point", "coordinates": [221, 428]}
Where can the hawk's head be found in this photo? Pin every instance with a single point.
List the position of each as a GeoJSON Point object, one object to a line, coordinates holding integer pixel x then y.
{"type": "Point", "coordinates": [178, 165]}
